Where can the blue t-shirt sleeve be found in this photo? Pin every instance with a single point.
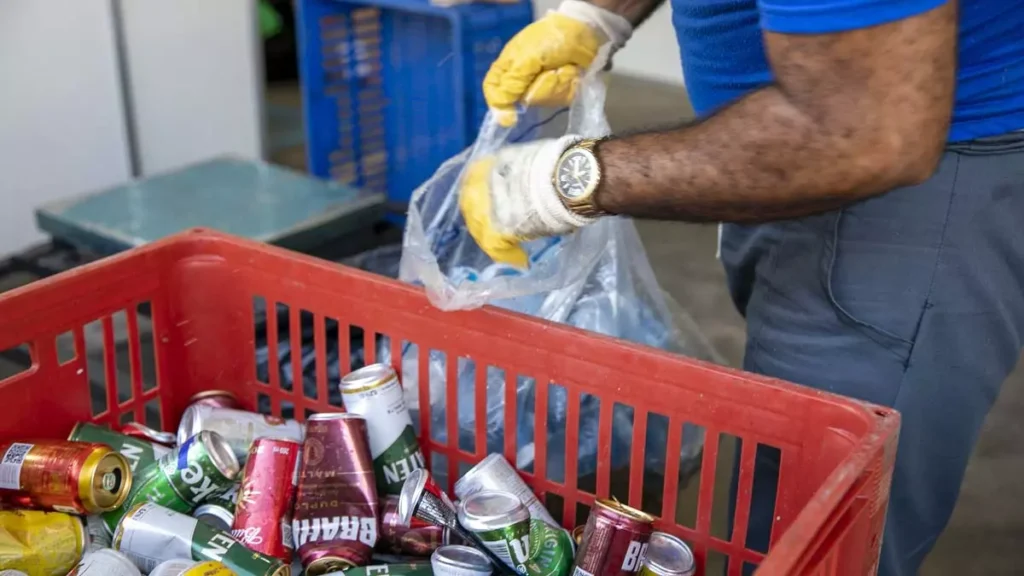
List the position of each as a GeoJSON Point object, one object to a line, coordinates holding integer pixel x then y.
{"type": "Point", "coordinates": [824, 16]}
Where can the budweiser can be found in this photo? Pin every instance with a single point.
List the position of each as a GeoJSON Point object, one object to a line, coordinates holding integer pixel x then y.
{"type": "Point", "coordinates": [192, 568]}
{"type": "Point", "coordinates": [335, 521]}
{"type": "Point", "coordinates": [418, 539]}
{"type": "Point", "coordinates": [139, 453]}
{"type": "Point", "coordinates": [74, 477]}
{"type": "Point", "coordinates": [151, 534]}
{"type": "Point", "coordinates": [460, 561]}
{"type": "Point", "coordinates": [143, 432]}
{"type": "Point", "coordinates": [614, 541]}
{"type": "Point", "coordinates": [201, 467]}
{"type": "Point", "coordinates": [501, 522]}
{"type": "Point", "coordinates": [238, 427]}
{"type": "Point", "coordinates": [40, 542]}
{"type": "Point", "coordinates": [495, 473]}
{"type": "Point", "coordinates": [219, 511]}
{"type": "Point", "coordinates": [217, 399]}
{"type": "Point", "coordinates": [375, 393]}
{"type": "Point", "coordinates": [668, 556]}
{"type": "Point", "coordinates": [105, 563]}
{"type": "Point", "coordinates": [263, 519]}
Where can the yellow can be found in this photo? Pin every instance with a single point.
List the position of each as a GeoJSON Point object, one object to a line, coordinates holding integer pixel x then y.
{"type": "Point", "coordinates": [211, 568]}
{"type": "Point", "coordinates": [40, 543]}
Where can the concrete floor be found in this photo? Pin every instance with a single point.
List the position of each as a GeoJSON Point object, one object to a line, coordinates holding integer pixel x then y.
{"type": "Point", "coordinates": [986, 534]}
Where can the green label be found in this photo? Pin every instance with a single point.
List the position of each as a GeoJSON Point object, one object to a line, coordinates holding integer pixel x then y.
{"type": "Point", "coordinates": [192, 473]}
{"type": "Point", "coordinates": [139, 453]}
{"type": "Point", "coordinates": [148, 486]}
{"type": "Point", "coordinates": [552, 550]}
{"type": "Point", "coordinates": [208, 543]}
{"type": "Point", "coordinates": [395, 464]}
{"type": "Point", "coordinates": [406, 569]}
{"type": "Point", "coordinates": [510, 543]}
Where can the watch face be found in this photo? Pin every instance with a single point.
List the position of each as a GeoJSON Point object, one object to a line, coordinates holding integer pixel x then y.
{"type": "Point", "coordinates": [577, 174]}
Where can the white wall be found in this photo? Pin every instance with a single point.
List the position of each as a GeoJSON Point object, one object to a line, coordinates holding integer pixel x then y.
{"type": "Point", "coordinates": [62, 129]}
{"type": "Point", "coordinates": [652, 53]}
{"type": "Point", "coordinates": [196, 80]}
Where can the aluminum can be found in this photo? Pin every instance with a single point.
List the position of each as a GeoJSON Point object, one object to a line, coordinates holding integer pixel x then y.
{"type": "Point", "coordinates": [201, 467]}
{"type": "Point", "coordinates": [74, 477]}
{"type": "Point", "coordinates": [143, 432]}
{"type": "Point", "coordinates": [238, 427]}
{"type": "Point", "coordinates": [191, 568]}
{"type": "Point", "coordinates": [577, 534]}
{"type": "Point", "coordinates": [460, 561]}
{"type": "Point", "coordinates": [150, 534]}
{"type": "Point", "coordinates": [105, 563]}
{"type": "Point", "coordinates": [392, 569]}
{"type": "Point", "coordinates": [97, 536]}
{"type": "Point", "coordinates": [40, 543]}
{"type": "Point", "coordinates": [335, 519]}
{"type": "Point", "coordinates": [139, 453]}
{"type": "Point", "coordinates": [551, 550]}
{"type": "Point", "coordinates": [418, 539]}
{"type": "Point", "coordinates": [263, 518]}
{"type": "Point", "coordinates": [219, 511]}
{"type": "Point", "coordinates": [12, 573]}
{"type": "Point", "coordinates": [495, 473]}
{"type": "Point", "coordinates": [501, 522]}
{"type": "Point", "coordinates": [614, 541]}
{"type": "Point", "coordinates": [375, 393]}
{"type": "Point", "coordinates": [668, 555]}
{"type": "Point", "coordinates": [217, 399]}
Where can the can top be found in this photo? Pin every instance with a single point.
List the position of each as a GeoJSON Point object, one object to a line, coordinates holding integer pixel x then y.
{"type": "Point", "coordinates": [621, 509]}
{"type": "Point", "coordinates": [668, 555]}
{"type": "Point", "coordinates": [220, 453]}
{"type": "Point", "coordinates": [481, 468]}
{"type": "Point", "coordinates": [458, 556]}
{"type": "Point", "coordinates": [335, 416]}
{"type": "Point", "coordinates": [326, 565]}
{"type": "Point", "coordinates": [216, 512]}
{"type": "Point", "coordinates": [490, 510]}
{"type": "Point", "coordinates": [409, 498]}
{"type": "Point", "coordinates": [191, 421]}
{"type": "Point", "coordinates": [366, 378]}
{"type": "Point", "coordinates": [105, 480]}
{"type": "Point", "coordinates": [211, 394]}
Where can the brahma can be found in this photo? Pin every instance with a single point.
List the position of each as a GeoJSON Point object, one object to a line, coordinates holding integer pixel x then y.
{"type": "Point", "coordinates": [335, 519]}
{"type": "Point", "coordinates": [263, 517]}
{"type": "Point", "coordinates": [74, 477]}
{"type": "Point", "coordinates": [150, 534]}
{"type": "Point", "coordinates": [375, 393]}
{"type": "Point", "coordinates": [614, 541]}
{"type": "Point", "coordinates": [40, 542]}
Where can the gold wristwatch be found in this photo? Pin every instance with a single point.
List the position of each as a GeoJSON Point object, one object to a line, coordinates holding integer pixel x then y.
{"type": "Point", "coordinates": [577, 176]}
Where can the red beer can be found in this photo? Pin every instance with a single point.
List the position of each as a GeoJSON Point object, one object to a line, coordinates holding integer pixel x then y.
{"type": "Point", "coordinates": [614, 541]}
{"type": "Point", "coordinates": [419, 539]}
{"type": "Point", "coordinates": [263, 516]}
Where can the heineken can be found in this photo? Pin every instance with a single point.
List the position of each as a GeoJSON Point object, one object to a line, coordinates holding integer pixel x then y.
{"type": "Point", "coordinates": [139, 453]}
{"type": "Point", "coordinates": [460, 561]}
{"type": "Point", "coordinates": [238, 427]}
{"type": "Point", "coordinates": [551, 550]}
{"type": "Point", "coordinates": [263, 520]}
{"type": "Point", "coordinates": [201, 467]}
{"type": "Point", "coordinates": [150, 534]}
{"type": "Point", "coordinates": [375, 393]}
{"type": "Point", "coordinates": [40, 542]}
{"type": "Point", "coordinates": [105, 563]}
{"type": "Point", "coordinates": [495, 473]}
{"type": "Point", "coordinates": [668, 555]}
{"type": "Point", "coordinates": [219, 511]}
{"type": "Point", "coordinates": [501, 523]}
{"type": "Point", "coordinates": [392, 569]}
{"type": "Point", "coordinates": [143, 432]}
{"type": "Point", "coordinates": [191, 568]}
{"type": "Point", "coordinates": [614, 541]}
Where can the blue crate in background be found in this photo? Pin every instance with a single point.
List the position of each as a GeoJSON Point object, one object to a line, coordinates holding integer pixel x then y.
{"type": "Point", "coordinates": [392, 88]}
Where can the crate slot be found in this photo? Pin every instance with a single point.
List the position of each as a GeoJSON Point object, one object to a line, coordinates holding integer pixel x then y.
{"type": "Point", "coordinates": [66, 351]}
{"type": "Point", "coordinates": [122, 345]}
{"type": "Point", "coordinates": [557, 436]}
{"type": "Point", "coordinates": [765, 489]}
{"type": "Point", "coordinates": [14, 361]}
{"type": "Point", "coordinates": [723, 486]}
{"type": "Point", "coordinates": [153, 415]}
{"type": "Point", "coordinates": [466, 401]}
{"type": "Point", "coordinates": [524, 426]}
{"type": "Point", "coordinates": [96, 377]}
{"type": "Point", "coordinates": [147, 346]}
{"type": "Point", "coordinates": [653, 464]}
{"type": "Point", "coordinates": [261, 360]}
{"type": "Point", "coordinates": [684, 479]}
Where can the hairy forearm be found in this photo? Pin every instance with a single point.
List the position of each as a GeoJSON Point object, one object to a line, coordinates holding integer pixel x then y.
{"type": "Point", "coordinates": [636, 11]}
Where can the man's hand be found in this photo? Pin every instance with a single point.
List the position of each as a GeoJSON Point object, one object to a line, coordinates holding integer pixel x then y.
{"type": "Point", "coordinates": [508, 198]}
{"type": "Point", "coordinates": [542, 64]}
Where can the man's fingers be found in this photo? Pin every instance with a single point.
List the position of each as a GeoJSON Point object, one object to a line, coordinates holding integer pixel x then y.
{"type": "Point", "coordinates": [553, 87]}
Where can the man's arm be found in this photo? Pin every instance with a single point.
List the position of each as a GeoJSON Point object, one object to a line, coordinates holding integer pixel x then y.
{"type": "Point", "coordinates": [850, 115]}
{"type": "Point", "coordinates": [636, 11]}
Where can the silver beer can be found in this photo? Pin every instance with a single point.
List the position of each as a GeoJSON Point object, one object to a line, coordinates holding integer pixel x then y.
{"type": "Point", "coordinates": [495, 473]}
{"type": "Point", "coordinates": [460, 561]}
{"type": "Point", "coordinates": [238, 427]}
{"type": "Point", "coordinates": [105, 563]}
{"type": "Point", "coordinates": [668, 556]}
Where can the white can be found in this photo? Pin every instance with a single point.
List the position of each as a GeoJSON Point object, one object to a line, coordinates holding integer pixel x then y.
{"type": "Point", "coordinates": [495, 473]}
{"type": "Point", "coordinates": [458, 560]}
{"type": "Point", "coordinates": [238, 427]}
{"type": "Point", "coordinates": [105, 563]}
{"type": "Point", "coordinates": [375, 393]}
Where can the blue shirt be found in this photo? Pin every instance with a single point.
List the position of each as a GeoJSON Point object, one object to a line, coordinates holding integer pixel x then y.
{"type": "Point", "coordinates": [723, 53]}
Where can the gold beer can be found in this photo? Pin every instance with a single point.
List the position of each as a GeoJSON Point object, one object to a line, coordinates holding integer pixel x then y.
{"type": "Point", "coordinates": [40, 543]}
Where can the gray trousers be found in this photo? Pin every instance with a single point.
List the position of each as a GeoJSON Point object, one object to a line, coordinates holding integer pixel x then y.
{"type": "Point", "coordinates": [913, 299]}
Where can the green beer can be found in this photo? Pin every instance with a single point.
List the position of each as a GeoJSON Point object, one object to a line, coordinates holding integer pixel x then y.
{"type": "Point", "coordinates": [139, 453]}
{"type": "Point", "coordinates": [552, 550]}
{"type": "Point", "coordinates": [502, 523]}
{"type": "Point", "coordinates": [395, 569]}
{"type": "Point", "coordinates": [202, 467]}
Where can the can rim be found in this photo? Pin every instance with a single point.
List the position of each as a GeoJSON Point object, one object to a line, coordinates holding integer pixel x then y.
{"type": "Point", "coordinates": [475, 471]}
{"type": "Point", "coordinates": [441, 554]}
{"type": "Point", "coordinates": [624, 510]}
{"type": "Point", "coordinates": [99, 463]}
{"type": "Point", "coordinates": [476, 520]}
{"type": "Point", "coordinates": [190, 422]}
{"type": "Point", "coordinates": [410, 496]}
{"type": "Point", "coordinates": [203, 395]}
{"type": "Point", "coordinates": [367, 378]}
{"type": "Point", "coordinates": [217, 511]}
{"type": "Point", "coordinates": [685, 553]}
{"type": "Point", "coordinates": [221, 454]}
{"type": "Point", "coordinates": [335, 416]}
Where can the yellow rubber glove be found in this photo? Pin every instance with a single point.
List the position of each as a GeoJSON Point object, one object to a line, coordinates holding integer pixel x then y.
{"type": "Point", "coordinates": [509, 198]}
{"type": "Point", "coordinates": [542, 64]}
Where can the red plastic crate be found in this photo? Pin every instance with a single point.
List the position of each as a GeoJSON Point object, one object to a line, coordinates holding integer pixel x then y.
{"type": "Point", "coordinates": [837, 454]}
